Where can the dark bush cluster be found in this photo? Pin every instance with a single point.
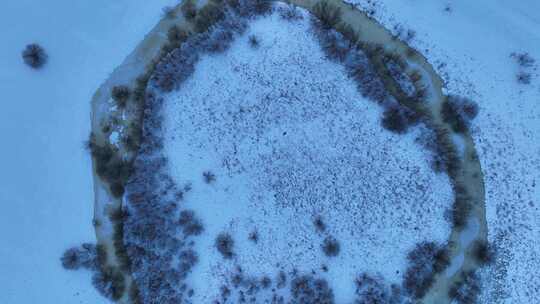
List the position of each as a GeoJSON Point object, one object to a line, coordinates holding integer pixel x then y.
{"type": "Point", "coordinates": [371, 290]}
{"type": "Point", "coordinates": [308, 290]}
{"type": "Point", "coordinates": [356, 62]}
{"type": "Point", "coordinates": [458, 112]}
{"type": "Point", "coordinates": [217, 25]}
{"type": "Point", "coordinates": [425, 260]}
{"type": "Point", "coordinates": [224, 245]}
{"type": "Point", "coordinates": [153, 229]}
{"type": "Point", "coordinates": [34, 56]}
{"type": "Point", "coordinates": [84, 256]}
{"type": "Point", "coordinates": [331, 247]}
{"type": "Point", "coordinates": [398, 119]}
{"type": "Point", "coordinates": [466, 289]}
{"type": "Point", "coordinates": [190, 224]}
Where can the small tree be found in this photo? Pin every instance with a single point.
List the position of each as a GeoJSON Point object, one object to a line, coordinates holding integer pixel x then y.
{"type": "Point", "coordinates": [34, 56]}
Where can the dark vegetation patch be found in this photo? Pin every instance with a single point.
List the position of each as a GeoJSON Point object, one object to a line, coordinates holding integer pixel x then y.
{"type": "Point", "coordinates": [458, 112]}
{"type": "Point", "coordinates": [308, 289]}
{"type": "Point", "coordinates": [425, 261]}
{"type": "Point", "coordinates": [34, 56]}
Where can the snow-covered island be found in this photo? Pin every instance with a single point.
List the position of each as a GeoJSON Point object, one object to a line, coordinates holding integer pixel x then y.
{"type": "Point", "coordinates": [306, 151]}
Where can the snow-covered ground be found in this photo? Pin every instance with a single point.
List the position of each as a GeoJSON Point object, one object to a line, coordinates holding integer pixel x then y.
{"type": "Point", "coordinates": [46, 196]}
{"type": "Point", "coordinates": [289, 137]}
{"type": "Point", "coordinates": [470, 43]}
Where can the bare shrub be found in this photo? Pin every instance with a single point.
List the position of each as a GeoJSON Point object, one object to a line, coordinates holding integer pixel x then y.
{"type": "Point", "coordinates": [209, 177]}
{"type": "Point", "coordinates": [331, 246]}
{"type": "Point", "coordinates": [253, 41]}
{"type": "Point", "coordinates": [523, 77]}
{"type": "Point", "coordinates": [254, 236]}
{"type": "Point", "coordinates": [224, 244]}
{"type": "Point", "coordinates": [34, 56]}
{"type": "Point", "coordinates": [189, 223]}
{"type": "Point", "coordinates": [523, 59]}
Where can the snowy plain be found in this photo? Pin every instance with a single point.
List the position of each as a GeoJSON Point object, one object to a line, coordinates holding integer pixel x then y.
{"type": "Point", "coordinates": [46, 192]}
{"type": "Point", "coordinates": [289, 138]}
{"type": "Point", "coordinates": [470, 43]}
